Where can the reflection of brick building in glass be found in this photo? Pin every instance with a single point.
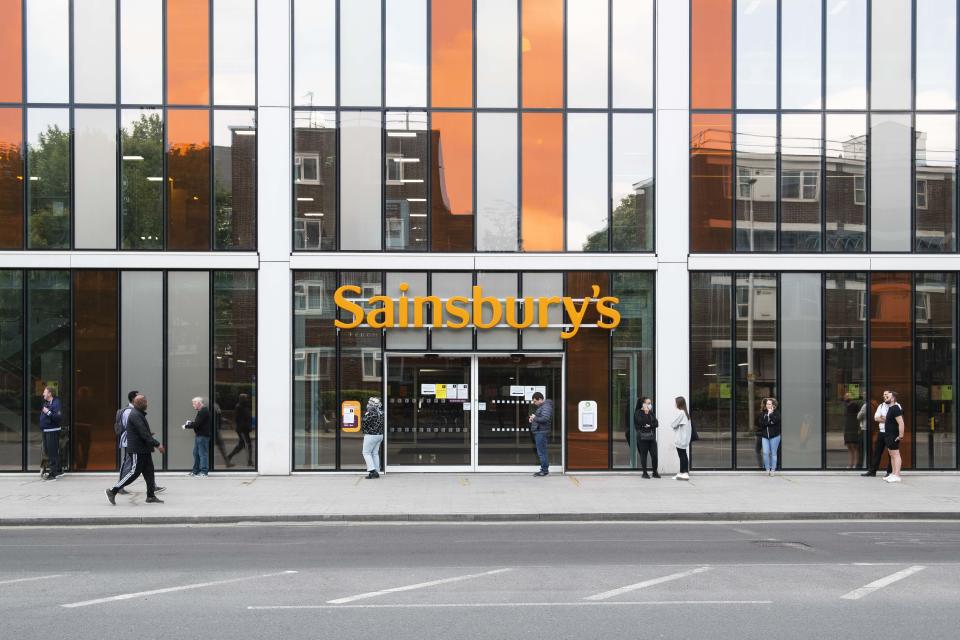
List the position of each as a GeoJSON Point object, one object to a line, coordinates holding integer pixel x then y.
{"type": "Point", "coordinates": [235, 177]}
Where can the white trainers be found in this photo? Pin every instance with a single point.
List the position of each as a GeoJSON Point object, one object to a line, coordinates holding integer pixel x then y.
{"type": "Point", "coordinates": [679, 476]}
{"type": "Point", "coordinates": [892, 478]}
{"type": "Point", "coordinates": [684, 476]}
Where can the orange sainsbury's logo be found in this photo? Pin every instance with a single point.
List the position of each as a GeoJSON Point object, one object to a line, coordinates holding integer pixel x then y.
{"type": "Point", "coordinates": [459, 312]}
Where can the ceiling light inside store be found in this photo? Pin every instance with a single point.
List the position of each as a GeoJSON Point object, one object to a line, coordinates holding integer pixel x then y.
{"type": "Point", "coordinates": [133, 158]}
{"type": "Point", "coordinates": [401, 134]}
{"type": "Point", "coordinates": [155, 178]}
{"type": "Point", "coordinates": [416, 199]}
{"type": "Point", "coordinates": [304, 199]}
{"type": "Point", "coordinates": [413, 180]}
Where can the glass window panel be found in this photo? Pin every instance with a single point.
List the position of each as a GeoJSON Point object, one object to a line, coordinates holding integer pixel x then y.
{"type": "Point", "coordinates": [11, 51]}
{"type": "Point", "coordinates": [95, 173]}
{"type": "Point", "coordinates": [360, 53]}
{"type": "Point", "coordinates": [800, 154]}
{"type": "Point", "coordinates": [141, 344]}
{"type": "Point", "coordinates": [542, 166]}
{"type": "Point", "coordinates": [141, 178]}
{"type": "Point", "coordinates": [451, 53]}
{"type": "Point", "coordinates": [188, 52]}
{"type": "Point", "coordinates": [499, 285]}
{"type": "Point", "coordinates": [315, 412]}
{"type": "Point", "coordinates": [235, 179]}
{"type": "Point", "coordinates": [360, 181]}
{"type": "Point", "coordinates": [711, 54]}
{"type": "Point", "coordinates": [188, 180]}
{"type": "Point", "coordinates": [587, 182]}
{"type": "Point", "coordinates": [497, 212]}
{"type": "Point", "coordinates": [444, 286]}
{"type": "Point", "coordinates": [543, 285]}
{"type": "Point", "coordinates": [405, 179]}
{"type": "Point", "coordinates": [94, 51]}
{"type": "Point", "coordinates": [846, 54]}
{"type": "Point", "coordinates": [936, 60]}
{"type": "Point", "coordinates": [890, 346]}
{"type": "Point", "coordinates": [800, 54]}
{"type": "Point", "coordinates": [711, 375]}
{"type": "Point", "coordinates": [936, 361]}
{"type": "Point", "coordinates": [361, 366]}
{"type": "Point", "coordinates": [890, 192]}
{"type": "Point", "coordinates": [235, 367]}
{"type": "Point", "coordinates": [802, 352]}
{"type": "Point", "coordinates": [406, 58]}
{"type": "Point", "coordinates": [846, 196]}
{"type": "Point", "coordinates": [846, 407]}
{"type": "Point", "coordinates": [497, 25]}
{"type": "Point", "coordinates": [890, 55]}
{"type": "Point", "coordinates": [935, 159]}
{"type": "Point", "coordinates": [711, 171]}
{"type": "Point", "coordinates": [451, 180]}
{"type": "Point", "coordinates": [11, 178]}
{"type": "Point", "coordinates": [11, 369]}
{"type": "Point", "coordinates": [542, 49]}
{"type": "Point", "coordinates": [48, 327]}
{"type": "Point", "coordinates": [756, 54]}
{"type": "Point", "coordinates": [314, 52]}
{"type": "Point", "coordinates": [755, 182]}
{"type": "Point", "coordinates": [632, 363]}
{"type": "Point", "coordinates": [141, 44]}
{"type": "Point", "coordinates": [234, 51]}
{"type": "Point", "coordinates": [406, 338]}
{"type": "Point", "coordinates": [587, 63]}
{"type": "Point", "coordinates": [755, 360]}
{"type": "Point", "coordinates": [48, 171]}
{"type": "Point", "coordinates": [48, 50]}
{"type": "Point", "coordinates": [315, 180]}
{"type": "Point", "coordinates": [632, 187]}
{"type": "Point", "coordinates": [95, 357]}
{"type": "Point", "coordinates": [633, 42]}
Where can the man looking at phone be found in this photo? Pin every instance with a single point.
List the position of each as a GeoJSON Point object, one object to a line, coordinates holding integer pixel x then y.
{"type": "Point", "coordinates": [541, 420]}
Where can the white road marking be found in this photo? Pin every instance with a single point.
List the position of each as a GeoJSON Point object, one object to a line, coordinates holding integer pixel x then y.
{"type": "Point", "coordinates": [876, 585]}
{"type": "Point", "coordinates": [56, 575]}
{"type": "Point", "coordinates": [154, 592]}
{"type": "Point", "coordinates": [646, 583]}
{"type": "Point", "coordinates": [490, 605]}
{"type": "Point", "coordinates": [411, 587]}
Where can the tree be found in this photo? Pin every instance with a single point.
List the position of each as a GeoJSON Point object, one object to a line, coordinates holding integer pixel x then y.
{"type": "Point", "coordinates": [48, 164]}
{"type": "Point", "coordinates": [141, 195]}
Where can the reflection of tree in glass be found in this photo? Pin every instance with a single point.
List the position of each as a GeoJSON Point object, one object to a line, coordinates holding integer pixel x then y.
{"type": "Point", "coordinates": [49, 171]}
{"type": "Point", "coordinates": [141, 183]}
{"type": "Point", "coordinates": [629, 226]}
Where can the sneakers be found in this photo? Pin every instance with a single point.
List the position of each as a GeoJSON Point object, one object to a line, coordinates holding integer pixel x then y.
{"type": "Point", "coordinates": [682, 476]}
{"type": "Point", "coordinates": [656, 475]}
{"type": "Point", "coordinates": [159, 489]}
{"type": "Point", "coordinates": [153, 500]}
{"type": "Point", "coordinates": [869, 474]}
{"type": "Point", "coordinates": [372, 475]}
{"type": "Point", "coordinates": [111, 496]}
{"type": "Point", "coordinates": [123, 492]}
{"type": "Point", "coordinates": [192, 475]}
{"type": "Point", "coordinates": [540, 474]}
{"type": "Point", "coordinates": [645, 475]}
{"type": "Point", "coordinates": [893, 478]}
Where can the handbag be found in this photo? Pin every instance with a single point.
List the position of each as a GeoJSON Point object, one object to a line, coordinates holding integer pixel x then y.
{"type": "Point", "coordinates": [694, 436]}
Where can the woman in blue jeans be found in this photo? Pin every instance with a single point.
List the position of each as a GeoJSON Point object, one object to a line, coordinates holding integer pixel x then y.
{"type": "Point", "coordinates": [372, 427]}
{"type": "Point", "coordinates": [770, 434]}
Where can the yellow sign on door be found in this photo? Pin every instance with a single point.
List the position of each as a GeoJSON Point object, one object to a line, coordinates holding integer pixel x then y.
{"type": "Point", "coordinates": [350, 416]}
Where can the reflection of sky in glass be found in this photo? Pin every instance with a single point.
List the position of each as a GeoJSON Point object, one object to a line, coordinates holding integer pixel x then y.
{"type": "Point", "coordinates": [226, 121]}
{"type": "Point", "coordinates": [800, 52]}
{"type": "Point", "coordinates": [936, 140]}
{"type": "Point", "coordinates": [586, 54]}
{"type": "Point", "coordinates": [94, 61]}
{"type": "Point", "coordinates": [632, 53]}
{"type": "Point", "coordinates": [406, 73]}
{"type": "Point", "coordinates": [141, 41]}
{"type": "Point", "coordinates": [314, 66]}
{"type": "Point", "coordinates": [632, 153]}
{"type": "Point", "coordinates": [48, 74]}
{"type": "Point", "coordinates": [586, 177]}
{"type": "Point", "coordinates": [936, 62]}
{"type": "Point", "coordinates": [756, 133]}
{"type": "Point", "coordinates": [497, 53]}
{"type": "Point", "coordinates": [800, 134]}
{"type": "Point", "coordinates": [756, 54]}
{"type": "Point", "coordinates": [496, 182]}
{"type": "Point", "coordinates": [890, 55]}
{"type": "Point", "coordinates": [841, 130]}
{"type": "Point", "coordinates": [234, 37]}
{"type": "Point", "coordinates": [360, 52]}
{"type": "Point", "coordinates": [846, 54]}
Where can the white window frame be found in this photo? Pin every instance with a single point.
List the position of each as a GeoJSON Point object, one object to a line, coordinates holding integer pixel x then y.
{"type": "Point", "coordinates": [804, 175]}
{"type": "Point", "coordinates": [371, 363]}
{"type": "Point", "coordinates": [862, 180]}
{"type": "Point", "coordinates": [925, 194]}
{"type": "Point", "coordinates": [298, 163]}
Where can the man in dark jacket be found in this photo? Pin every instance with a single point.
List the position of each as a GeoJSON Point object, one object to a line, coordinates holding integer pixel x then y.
{"type": "Point", "coordinates": [541, 421]}
{"type": "Point", "coordinates": [646, 424]}
{"type": "Point", "coordinates": [202, 430]}
{"type": "Point", "coordinates": [140, 445]}
{"type": "Point", "coordinates": [50, 417]}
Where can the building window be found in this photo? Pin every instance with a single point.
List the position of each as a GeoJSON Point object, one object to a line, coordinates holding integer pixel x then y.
{"type": "Point", "coordinates": [309, 231]}
{"type": "Point", "coordinates": [372, 365]}
{"type": "Point", "coordinates": [921, 194]}
{"type": "Point", "coordinates": [313, 364]}
{"type": "Point", "coordinates": [860, 190]}
{"type": "Point", "coordinates": [308, 297]}
{"type": "Point", "coordinates": [800, 185]}
{"type": "Point", "coordinates": [307, 168]}
{"type": "Point", "coordinates": [745, 182]}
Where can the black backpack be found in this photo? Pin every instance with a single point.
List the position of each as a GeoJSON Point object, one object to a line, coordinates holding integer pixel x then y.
{"type": "Point", "coordinates": [118, 421]}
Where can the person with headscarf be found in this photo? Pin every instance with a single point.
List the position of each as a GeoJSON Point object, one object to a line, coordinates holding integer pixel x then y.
{"type": "Point", "coordinates": [372, 427]}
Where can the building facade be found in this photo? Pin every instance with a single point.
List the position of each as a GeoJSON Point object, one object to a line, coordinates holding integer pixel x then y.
{"type": "Point", "coordinates": [291, 207]}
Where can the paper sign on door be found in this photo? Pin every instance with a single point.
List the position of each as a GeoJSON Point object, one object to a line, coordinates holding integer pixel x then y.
{"type": "Point", "coordinates": [441, 392]}
{"type": "Point", "coordinates": [350, 416]}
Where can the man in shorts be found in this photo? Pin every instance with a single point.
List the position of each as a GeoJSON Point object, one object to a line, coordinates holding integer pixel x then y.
{"type": "Point", "coordinates": [893, 434]}
{"type": "Point", "coordinates": [880, 417]}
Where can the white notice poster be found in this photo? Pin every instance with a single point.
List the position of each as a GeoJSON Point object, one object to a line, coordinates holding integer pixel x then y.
{"type": "Point", "coordinates": [428, 389]}
{"type": "Point", "coordinates": [463, 391]}
{"type": "Point", "coordinates": [516, 390]}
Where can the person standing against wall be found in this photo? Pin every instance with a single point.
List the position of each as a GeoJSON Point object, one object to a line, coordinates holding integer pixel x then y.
{"type": "Point", "coordinates": [646, 423]}
{"type": "Point", "coordinates": [50, 417]}
{"type": "Point", "coordinates": [681, 437]}
{"type": "Point", "coordinates": [372, 427]}
{"type": "Point", "coordinates": [893, 434]}
{"type": "Point", "coordinates": [201, 444]}
{"type": "Point", "coordinates": [770, 434]}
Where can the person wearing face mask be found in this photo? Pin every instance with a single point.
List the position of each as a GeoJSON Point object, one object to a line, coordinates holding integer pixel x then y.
{"type": "Point", "coordinates": [646, 424]}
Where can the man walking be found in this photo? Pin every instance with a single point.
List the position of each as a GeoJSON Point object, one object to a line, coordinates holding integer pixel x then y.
{"type": "Point", "coordinates": [894, 435]}
{"type": "Point", "coordinates": [541, 421]}
{"type": "Point", "coordinates": [140, 445]}
{"type": "Point", "coordinates": [880, 418]}
{"type": "Point", "coordinates": [50, 417]}
{"type": "Point", "coordinates": [120, 428]}
{"type": "Point", "coordinates": [201, 444]}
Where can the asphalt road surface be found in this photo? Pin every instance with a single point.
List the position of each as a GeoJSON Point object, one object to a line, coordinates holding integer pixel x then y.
{"type": "Point", "coordinates": [421, 581]}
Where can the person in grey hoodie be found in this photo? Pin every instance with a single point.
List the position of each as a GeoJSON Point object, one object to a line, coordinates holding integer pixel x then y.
{"type": "Point", "coordinates": [541, 421]}
{"type": "Point", "coordinates": [681, 437]}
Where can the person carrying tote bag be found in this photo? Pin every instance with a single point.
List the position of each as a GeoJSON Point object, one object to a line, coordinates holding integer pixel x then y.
{"type": "Point", "coordinates": [682, 431]}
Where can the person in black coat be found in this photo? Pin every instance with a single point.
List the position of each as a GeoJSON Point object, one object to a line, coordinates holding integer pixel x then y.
{"type": "Point", "coordinates": [770, 434]}
{"type": "Point", "coordinates": [140, 446]}
{"type": "Point", "coordinates": [202, 430]}
{"type": "Point", "coordinates": [243, 423]}
{"type": "Point", "coordinates": [646, 424]}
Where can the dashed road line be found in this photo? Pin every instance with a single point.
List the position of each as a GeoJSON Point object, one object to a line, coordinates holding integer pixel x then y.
{"type": "Point", "coordinates": [411, 587]}
{"type": "Point", "coordinates": [646, 583]}
{"type": "Point", "coordinates": [18, 580]}
{"type": "Point", "coordinates": [886, 581]}
{"type": "Point", "coordinates": [506, 605]}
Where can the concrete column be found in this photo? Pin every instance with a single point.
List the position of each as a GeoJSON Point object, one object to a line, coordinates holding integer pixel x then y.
{"type": "Point", "coordinates": [274, 232]}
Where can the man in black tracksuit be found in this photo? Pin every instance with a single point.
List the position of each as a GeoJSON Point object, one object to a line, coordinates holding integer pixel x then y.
{"type": "Point", "coordinates": [140, 445]}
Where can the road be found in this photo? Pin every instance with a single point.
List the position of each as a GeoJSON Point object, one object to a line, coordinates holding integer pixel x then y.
{"type": "Point", "coordinates": [418, 581]}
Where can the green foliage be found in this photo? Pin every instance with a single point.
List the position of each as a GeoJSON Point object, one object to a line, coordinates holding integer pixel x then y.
{"type": "Point", "coordinates": [141, 200]}
{"type": "Point", "coordinates": [49, 189]}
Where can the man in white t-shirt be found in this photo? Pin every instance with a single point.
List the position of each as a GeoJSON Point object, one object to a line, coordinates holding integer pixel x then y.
{"type": "Point", "coordinates": [880, 418]}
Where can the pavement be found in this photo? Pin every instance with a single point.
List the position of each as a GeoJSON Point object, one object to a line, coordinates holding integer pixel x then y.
{"type": "Point", "coordinates": [78, 499]}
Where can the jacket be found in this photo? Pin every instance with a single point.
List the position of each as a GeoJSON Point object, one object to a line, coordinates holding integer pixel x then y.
{"type": "Point", "coordinates": [646, 424]}
{"type": "Point", "coordinates": [542, 417]}
{"type": "Point", "coordinates": [201, 424]}
{"type": "Point", "coordinates": [51, 421]}
{"type": "Point", "coordinates": [681, 430]}
{"type": "Point", "coordinates": [372, 422]}
{"type": "Point", "coordinates": [770, 424]}
{"type": "Point", "coordinates": [139, 438]}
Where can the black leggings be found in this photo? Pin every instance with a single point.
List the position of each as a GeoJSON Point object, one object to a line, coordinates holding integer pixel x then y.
{"type": "Point", "coordinates": [645, 447]}
{"type": "Point", "coordinates": [684, 462]}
